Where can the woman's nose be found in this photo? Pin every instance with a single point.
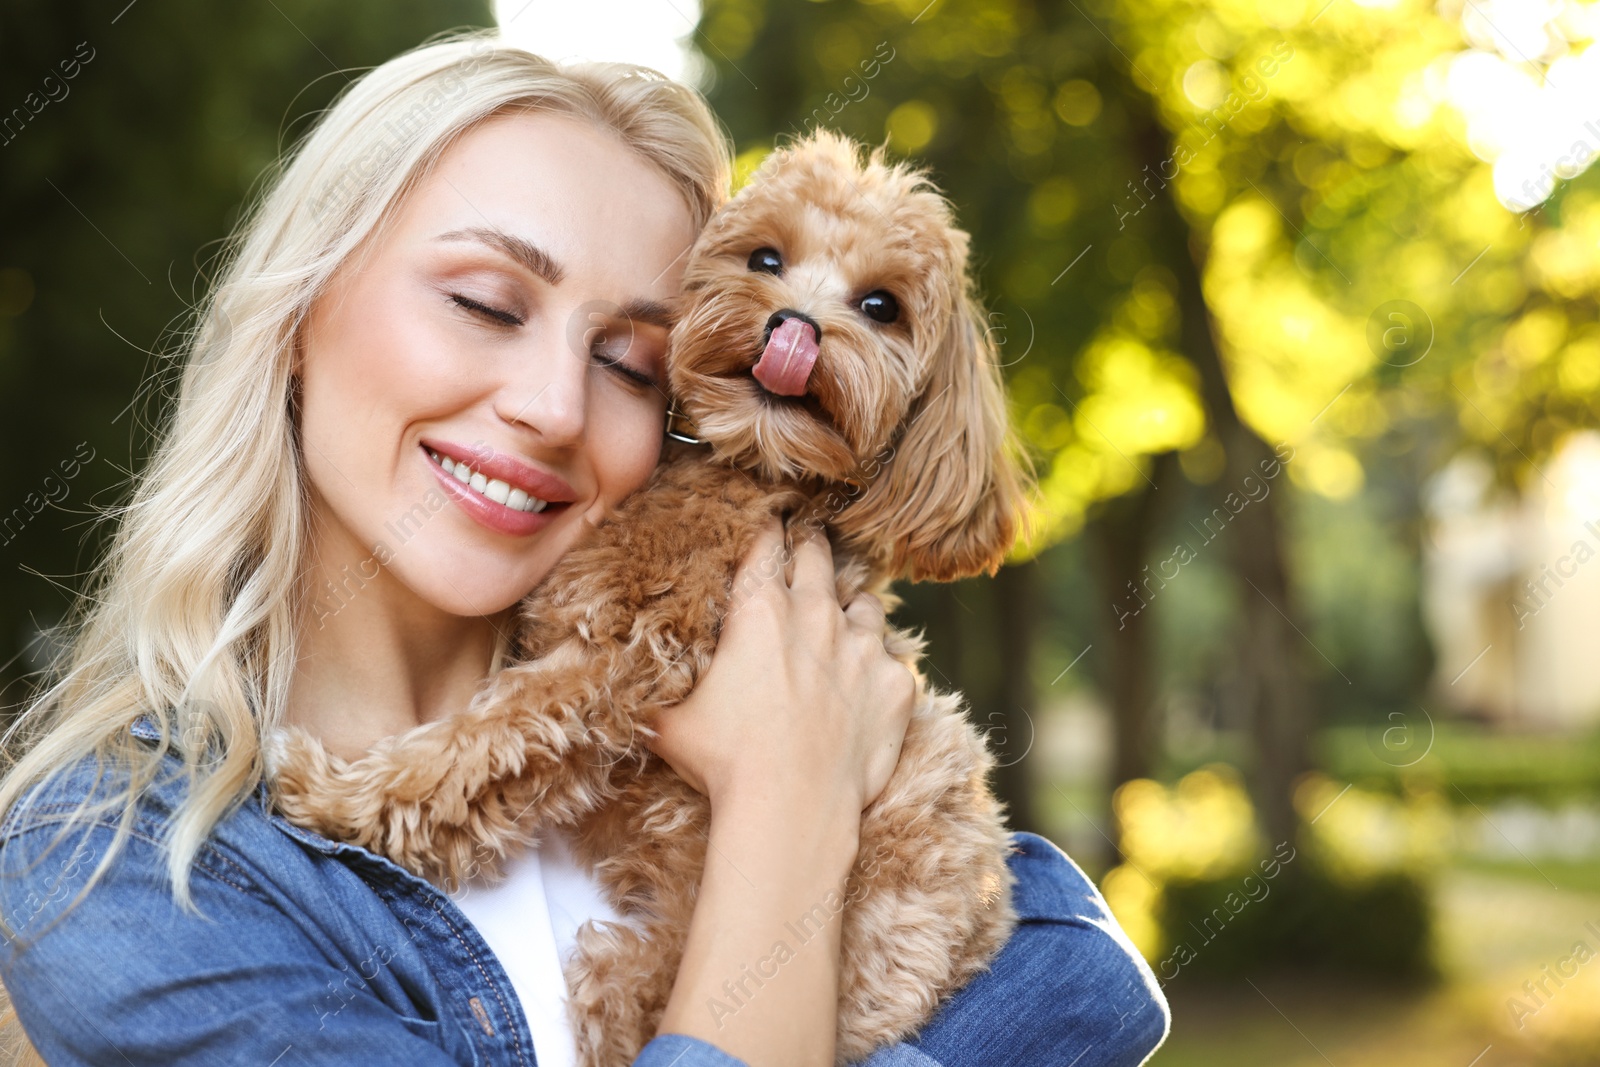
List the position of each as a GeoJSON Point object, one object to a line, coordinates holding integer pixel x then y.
{"type": "Point", "coordinates": [549, 394]}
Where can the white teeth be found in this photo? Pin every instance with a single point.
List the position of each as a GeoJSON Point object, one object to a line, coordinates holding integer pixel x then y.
{"type": "Point", "coordinates": [498, 491]}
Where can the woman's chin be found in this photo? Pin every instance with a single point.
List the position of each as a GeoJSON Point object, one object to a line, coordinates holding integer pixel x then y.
{"type": "Point", "coordinates": [467, 599]}
{"type": "Point", "coordinates": [469, 580]}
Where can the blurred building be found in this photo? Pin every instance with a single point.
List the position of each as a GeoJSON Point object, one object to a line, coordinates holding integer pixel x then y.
{"type": "Point", "coordinates": [1511, 589]}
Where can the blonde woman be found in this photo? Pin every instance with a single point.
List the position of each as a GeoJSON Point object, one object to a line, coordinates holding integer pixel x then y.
{"type": "Point", "coordinates": [297, 553]}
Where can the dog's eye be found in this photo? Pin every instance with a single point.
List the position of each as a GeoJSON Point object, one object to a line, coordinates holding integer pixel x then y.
{"type": "Point", "coordinates": [879, 306]}
{"type": "Point", "coordinates": [767, 260]}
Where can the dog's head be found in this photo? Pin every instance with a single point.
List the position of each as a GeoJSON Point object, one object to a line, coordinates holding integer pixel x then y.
{"type": "Point", "coordinates": [829, 335]}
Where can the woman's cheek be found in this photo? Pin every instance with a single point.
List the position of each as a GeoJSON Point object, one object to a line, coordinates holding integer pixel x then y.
{"type": "Point", "coordinates": [648, 453]}
{"type": "Point", "coordinates": [633, 455]}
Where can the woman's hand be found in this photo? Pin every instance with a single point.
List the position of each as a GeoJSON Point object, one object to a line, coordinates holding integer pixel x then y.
{"type": "Point", "coordinates": [794, 728]}
{"type": "Point", "coordinates": [801, 700]}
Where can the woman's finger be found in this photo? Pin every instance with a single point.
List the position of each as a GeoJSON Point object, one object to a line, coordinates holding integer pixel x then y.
{"type": "Point", "coordinates": [761, 570]}
{"type": "Point", "coordinates": [866, 612]}
{"type": "Point", "coordinates": [813, 561]}
{"type": "Point", "coordinates": [766, 545]}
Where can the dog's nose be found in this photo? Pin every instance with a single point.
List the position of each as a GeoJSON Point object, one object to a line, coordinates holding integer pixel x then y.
{"type": "Point", "coordinates": [788, 353]}
{"type": "Point", "coordinates": [778, 317]}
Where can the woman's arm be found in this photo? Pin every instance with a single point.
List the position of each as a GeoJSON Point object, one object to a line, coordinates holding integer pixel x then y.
{"type": "Point", "coordinates": [794, 729]}
{"type": "Point", "coordinates": [127, 978]}
{"type": "Point", "coordinates": [1067, 988]}
{"type": "Point", "coordinates": [767, 871]}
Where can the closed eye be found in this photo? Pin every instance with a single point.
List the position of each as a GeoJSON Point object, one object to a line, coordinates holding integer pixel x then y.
{"type": "Point", "coordinates": [634, 375]}
{"type": "Point", "coordinates": [499, 315]}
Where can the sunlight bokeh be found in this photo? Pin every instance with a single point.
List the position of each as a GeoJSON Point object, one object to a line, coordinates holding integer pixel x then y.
{"type": "Point", "coordinates": [651, 32]}
{"type": "Point", "coordinates": [1527, 89]}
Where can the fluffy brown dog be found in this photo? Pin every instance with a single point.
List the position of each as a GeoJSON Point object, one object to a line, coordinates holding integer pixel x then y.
{"type": "Point", "coordinates": [831, 353]}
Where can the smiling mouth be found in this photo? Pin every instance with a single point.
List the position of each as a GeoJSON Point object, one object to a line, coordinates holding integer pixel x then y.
{"type": "Point", "coordinates": [492, 489]}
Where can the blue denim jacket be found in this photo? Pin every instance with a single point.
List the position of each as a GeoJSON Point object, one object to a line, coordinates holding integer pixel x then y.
{"type": "Point", "coordinates": [310, 951]}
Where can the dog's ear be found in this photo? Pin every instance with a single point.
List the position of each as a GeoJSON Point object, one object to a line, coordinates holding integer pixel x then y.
{"type": "Point", "coordinates": [947, 503]}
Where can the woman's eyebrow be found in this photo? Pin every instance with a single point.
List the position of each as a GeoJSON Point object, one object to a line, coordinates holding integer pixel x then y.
{"type": "Point", "coordinates": [520, 249]}
{"type": "Point", "coordinates": [649, 312]}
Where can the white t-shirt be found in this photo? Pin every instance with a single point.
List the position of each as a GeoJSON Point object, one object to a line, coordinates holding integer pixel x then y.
{"type": "Point", "coordinates": [531, 921]}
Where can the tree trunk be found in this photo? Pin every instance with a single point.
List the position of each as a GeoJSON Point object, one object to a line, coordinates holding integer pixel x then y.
{"type": "Point", "coordinates": [1278, 700]}
{"type": "Point", "coordinates": [1124, 531]}
{"type": "Point", "coordinates": [980, 643]}
{"type": "Point", "coordinates": [1016, 603]}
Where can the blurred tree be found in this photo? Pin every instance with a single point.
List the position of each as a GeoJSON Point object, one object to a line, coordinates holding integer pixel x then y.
{"type": "Point", "coordinates": [1029, 116]}
{"type": "Point", "coordinates": [1201, 217]}
{"type": "Point", "coordinates": [1124, 530]}
{"type": "Point", "coordinates": [1373, 288]}
{"type": "Point", "coordinates": [1343, 238]}
{"type": "Point", "coordinates": [1276, 702]}
{"type": "Point", "coordinates": [134, 134]}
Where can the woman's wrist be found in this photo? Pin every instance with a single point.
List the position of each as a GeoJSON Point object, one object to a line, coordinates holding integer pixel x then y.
{"type": "Point", "coordinates": [823, 825]}
{"type": "Point", "coordinates": [759, 976]}
{"type": "Point", "coordinates": [787, 796]}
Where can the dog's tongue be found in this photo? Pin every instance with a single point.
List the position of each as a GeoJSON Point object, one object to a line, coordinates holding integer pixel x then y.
{"type": "Point", "coordinates": [786, 362]}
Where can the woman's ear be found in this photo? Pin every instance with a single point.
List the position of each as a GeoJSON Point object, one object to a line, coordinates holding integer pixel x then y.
{"type": "Point", "coordinates": [946, 504]}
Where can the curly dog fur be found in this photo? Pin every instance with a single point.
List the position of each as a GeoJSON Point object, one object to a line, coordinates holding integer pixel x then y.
{"type": "Point", "coordinates": [900, 450]}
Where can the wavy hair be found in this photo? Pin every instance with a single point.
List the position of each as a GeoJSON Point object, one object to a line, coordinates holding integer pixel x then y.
{"type": "Point", "coordinates": [193, 619]}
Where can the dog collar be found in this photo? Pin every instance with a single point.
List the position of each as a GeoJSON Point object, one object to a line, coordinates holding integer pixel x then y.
{"type": "Point", "coordinates": [680, 427]}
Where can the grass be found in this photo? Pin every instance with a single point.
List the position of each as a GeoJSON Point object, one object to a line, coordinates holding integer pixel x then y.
{"type": "Point", "coordinates": [1499, 926]}
{"type": "Point", "coordinates": [1466, 761]}
{"type": "Point", "coordinates": [1579, 877]}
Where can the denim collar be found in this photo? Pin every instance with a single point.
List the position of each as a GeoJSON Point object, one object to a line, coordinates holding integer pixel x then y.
{"type": "Point", "coordinates": [145, 729]}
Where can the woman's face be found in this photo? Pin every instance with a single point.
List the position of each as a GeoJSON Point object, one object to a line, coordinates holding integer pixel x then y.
{"type": "Point", "coordinates": [487, 378]}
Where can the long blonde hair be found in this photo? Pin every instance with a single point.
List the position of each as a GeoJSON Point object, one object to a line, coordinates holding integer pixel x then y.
{"type": "Point", "coordinates": [193, 621]}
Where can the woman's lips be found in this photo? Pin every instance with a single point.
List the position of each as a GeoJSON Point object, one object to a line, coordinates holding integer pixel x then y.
{"type": "Point", "coordinates": [503, 467]}
{"type": "Point", "coordinates": [498, 503]}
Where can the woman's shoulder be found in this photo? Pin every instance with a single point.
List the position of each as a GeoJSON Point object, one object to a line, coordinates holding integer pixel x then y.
{"type": "Point", "coordinates": [102, 820]}
{"type": "Point", "coordinates": [123, 802]}
{"type": "Point", "coordinates": [1050, 885]}
{"type": "Point", "coordinates": [94, 932]}
{"type": "Point", "coordinates": [85, 790]}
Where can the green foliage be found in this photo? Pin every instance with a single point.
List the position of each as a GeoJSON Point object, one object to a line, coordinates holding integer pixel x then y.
{"type": "Point", "coordinates": [1358, 573]}
{"type": "Point", "coordinates": [1378, 928]}
{"type": "Point", "coordinates": [1322, 169]}
{"type": "Point", "coordinates": [1020, 111]}
{"type": "Point", "coordinates": [1202, 893]}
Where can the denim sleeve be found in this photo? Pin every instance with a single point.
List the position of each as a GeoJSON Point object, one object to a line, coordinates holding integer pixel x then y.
{"type": "Point", "coordinates": [676, 1050]}
{"type": "Point", "coordinates": [125, 977]}
{"type": "Point", "coordinates": [1067, 988]}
